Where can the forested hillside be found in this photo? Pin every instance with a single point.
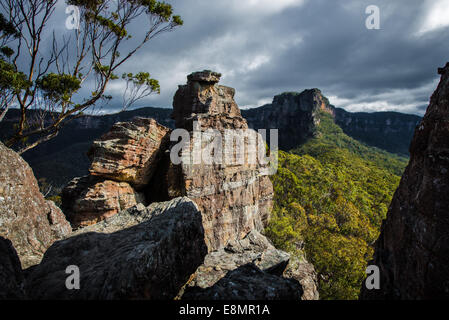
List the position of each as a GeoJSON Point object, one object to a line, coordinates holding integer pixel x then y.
{"type": "Point", "coordinates": [331, 195]}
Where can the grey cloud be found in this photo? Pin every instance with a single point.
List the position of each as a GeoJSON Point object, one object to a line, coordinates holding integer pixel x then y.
{"type": "Point", "coordinates": [320, 43]}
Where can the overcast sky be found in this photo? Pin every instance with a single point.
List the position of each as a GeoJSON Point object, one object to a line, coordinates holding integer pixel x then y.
{"type": "Point", "coordinates": [265, 47]}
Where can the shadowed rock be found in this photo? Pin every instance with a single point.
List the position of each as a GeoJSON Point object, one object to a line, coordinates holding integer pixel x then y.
{"type": "Point", "coordinates": [140, 253]}
{"type": "Point", "coordinates": [412, 251]}
{"type": "Point", "coordinates": [257, 250]}
{"type": "Point", "coordinates": [248, 282]}
{"type": "Point", "coordinates": [11, 277]}
{"type": "Point", "coordinates": [296, 115]}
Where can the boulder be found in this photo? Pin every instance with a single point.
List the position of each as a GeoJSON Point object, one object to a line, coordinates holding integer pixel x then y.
{"type": "Point", "coordinates": [248, 282]}
{"type": "Point", "coordinates": [124, 161]}
{"type": "Point", "coordinates": [140, 253]}
{"type": "Point", "coordinates": [26, 218]}
{"type": "Point", "coordinates": [412, 252]}
{"type": "Point", "coordinates": [88, 200]}
{"type": "Point", "coordinates": [11, 277]}
{"type": "Point", "coordinates": [255, 249]}
{"type": "Point", "coordinates": [129, 152]}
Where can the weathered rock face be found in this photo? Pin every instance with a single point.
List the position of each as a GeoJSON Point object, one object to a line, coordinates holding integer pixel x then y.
{"type": "Point", "coordinates": [88, 200]}
{"type": "Point", "coordinates": [202, 95]}
{"type": "Point", "coordinates": [26, 218]}
{"type": "Point", "coordinates": [140, 253]}
{"type": "Point", "coordinates": [11, 277]}
{"type": "Point", "coordinates": [129, 152]}
{"type": "Point", "coordinates": [254, 249]}
{"type": "Point", "coordinates": [234, 198]}
{"type": "Point", "coordinates": [123, 162]}
{"type": "Point", "coordinates": [412, 251]}
{"type": "Point", "coordinates": [296, 115]}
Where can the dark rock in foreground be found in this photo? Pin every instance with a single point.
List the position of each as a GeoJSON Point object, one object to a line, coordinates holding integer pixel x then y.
{"type": "Point", "coordinates": [141, 253]}
{"type": "Point", "coordinates": [248, 282]}
{"type": "Point", "coordinates": [412, 251]}
{"type": "Point", "coordinates": [11, 277]}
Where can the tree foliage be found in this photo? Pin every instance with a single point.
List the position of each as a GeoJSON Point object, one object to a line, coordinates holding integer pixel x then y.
{"type": "Point", "coordinates": [48, 79]}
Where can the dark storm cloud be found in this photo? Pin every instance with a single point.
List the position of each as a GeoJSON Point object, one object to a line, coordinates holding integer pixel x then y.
{"type": "Point", "coordinates": [265, 47]}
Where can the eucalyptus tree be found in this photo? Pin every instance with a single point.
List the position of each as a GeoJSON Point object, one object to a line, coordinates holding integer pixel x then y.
{"type": "Point", "coordinates": [42, 70]}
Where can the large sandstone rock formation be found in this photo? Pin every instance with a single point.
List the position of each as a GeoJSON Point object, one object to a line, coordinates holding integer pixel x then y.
{"type": "Point", "coordinates": [26, 218]}
{"type": "Point", "coordinates": [123, 163]}
{"type": "Point", "coordinates": [129, 151]}
{"type": "Point", "coordinates": [11, 277]}
{"type": "Point", "coordinates": [234, 198]}
{"type": "Point", "coordinates": [412, 251]}
{"type": "Point", "coordinates": [140, 253]}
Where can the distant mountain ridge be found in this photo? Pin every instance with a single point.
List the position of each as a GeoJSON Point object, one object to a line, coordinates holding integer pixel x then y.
{"type": "Point", "coordinates": [294, 114]}
{"type": "Point", "coordinates": [390, 131]}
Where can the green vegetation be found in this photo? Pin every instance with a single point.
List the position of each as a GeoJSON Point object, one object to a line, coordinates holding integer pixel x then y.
{"type": "Point", "coordinates": [331, 195]}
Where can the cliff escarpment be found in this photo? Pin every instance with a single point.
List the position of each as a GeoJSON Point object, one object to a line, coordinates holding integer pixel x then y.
{"type": "Point", "coordinates": [412, 252]}
{"type": "Point", "coordinates": [296, 115]}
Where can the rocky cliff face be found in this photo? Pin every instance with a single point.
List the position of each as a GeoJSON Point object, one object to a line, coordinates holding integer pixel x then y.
{"type": "Point", "coordinates": [294, 114]}
{"type": "Point", "coordinates": [129, 152]}
{"type": "Point", "coordinates": [390, 131]}
{"type": "Point", "coordinates": [26, 218]}
{"type": "Point", "coordinates": [89, 199]}
{"type": "Point", "coordinates": [234, 198]}
{"type": "Point", "coordinates": [412, 251]}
